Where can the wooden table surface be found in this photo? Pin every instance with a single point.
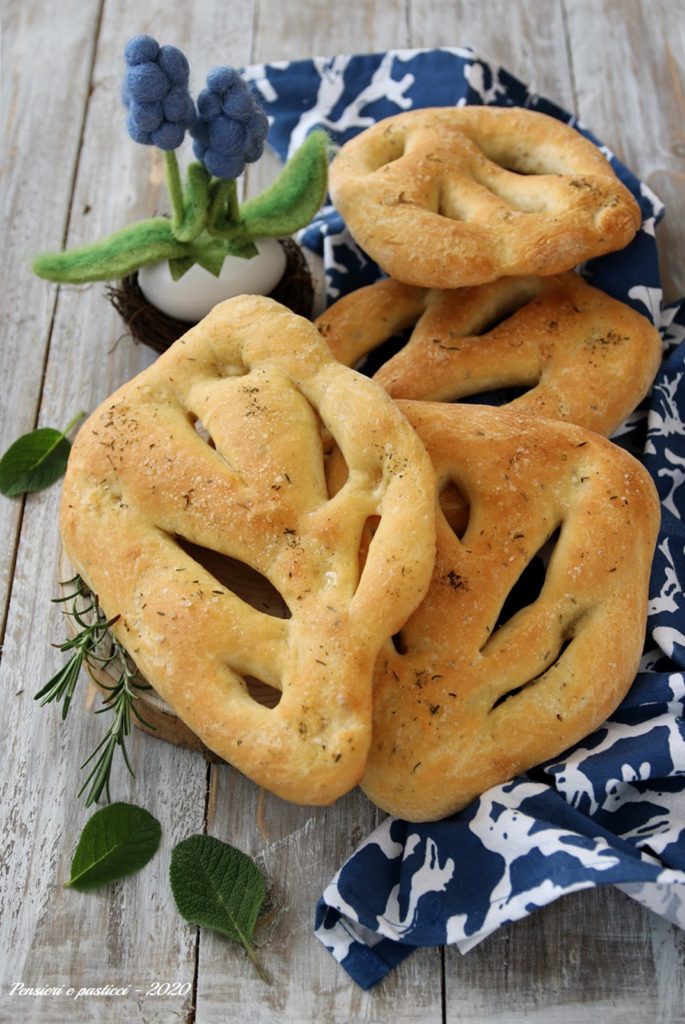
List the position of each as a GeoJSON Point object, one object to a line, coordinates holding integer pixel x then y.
{"type": "Point", "coordinates": [69, 176]}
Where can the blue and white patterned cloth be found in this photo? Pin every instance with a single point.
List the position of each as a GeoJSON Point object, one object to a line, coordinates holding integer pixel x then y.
{"type": "Point", "coordinates": [612, 810]}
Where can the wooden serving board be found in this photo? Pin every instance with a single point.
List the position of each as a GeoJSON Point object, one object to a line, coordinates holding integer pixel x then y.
{"type": "Point", "coordinates": [162, 720]}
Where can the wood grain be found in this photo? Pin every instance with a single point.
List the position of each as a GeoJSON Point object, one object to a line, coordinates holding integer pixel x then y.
{"type": "Point", "coordinates": [300, 849]}
{"type": "Point", "coordinates": [129, 935]}
{"type": "Point", "coordinates": [527, 38]}
{"type": "Point", "coordinates": [594, 955]}
{"type": "Point", "coordinates": [58, 89]}
{"type": "Point", "coordinates": [544, 968]}
{"type": "Point", "coordinates": [635, 102]}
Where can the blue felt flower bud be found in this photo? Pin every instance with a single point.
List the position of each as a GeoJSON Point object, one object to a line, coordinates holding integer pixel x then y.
{"type": "Point", "coordinates": [147, 117]}
{"type": "Point", "coordinates": [255, 136]}
{"type": "Point", "coordinates": [231, 127]}
{"type": "Point", "coordinates": [239, 105]}
{"type": "Point", "coordinates": [222, 80]}
{"type": "Point", "coordinates": [140, 50]}
{"type": "Point", "coordinates": [169, 135]}
{"type": "Point", "coordinates": [223, 165]}
{"type": "Point", "coordinates": [226, 135]}
{"type": "Point", "coordinates": [177, 105]}
{"type": "Point", "coordinates": [136, 133]}
{"type": "Point", "coordinates": [146, 83]}
{"type": "Point", "coordinates": [174, 65]}
{"type": "Point", "coordinates": [155, 92]}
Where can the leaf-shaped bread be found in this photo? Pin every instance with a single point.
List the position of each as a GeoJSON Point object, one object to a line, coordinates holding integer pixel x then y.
{"type": "Point", "coordinates": [577, 353]}
{"type": "Point", "coordinates": [444, 197]}
{"type": "Point", "coordinates": [144, 492]}
{"type": "Point", "coordinates": [483, 682]}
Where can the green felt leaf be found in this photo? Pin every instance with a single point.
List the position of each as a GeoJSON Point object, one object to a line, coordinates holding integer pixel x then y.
{"type": "Point", "coordinates": [35, 460]}
{"type": "Point", "coordinates": [293, 199]}
{"type": "Point", "coordinates": [217, 886]}
{"type": "Point", "coordinates": [115, 256]}
{"type": "Point", "coordinates": [212, 258]}
{"type": "Point", "coordinates": [245, 249]}
{"type": "Point", "coordinates": [210, 253]}
{"type": "Point", "coordinates": [180, 266]}
{"type": "Point", "coordinates": [117, 841]}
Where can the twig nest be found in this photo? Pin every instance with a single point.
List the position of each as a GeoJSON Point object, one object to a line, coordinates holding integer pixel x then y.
{"type": "Point", "coordinates": [300, 288]}
{"type": "Point", "coordinates": [198, 291]}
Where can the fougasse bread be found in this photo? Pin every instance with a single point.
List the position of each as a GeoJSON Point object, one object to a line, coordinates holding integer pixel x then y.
{"type": "Point", "coordinates": [145, 486]}
{"type": "Point", "coordinates": [582, 355]}
{"type": "Point", "coordinates": [444, 197]}
{"type": "Point", "coordinates": [472, 691]}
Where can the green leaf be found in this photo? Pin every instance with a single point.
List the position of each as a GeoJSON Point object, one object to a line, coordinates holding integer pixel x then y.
{"type": "Point", "coordinates": [115, 256]}
{"type": "Point", "coordinates": [35, 460]}
{"type": "Point", "coordinates": [293, 199]}
{"type": "Point", "coordinates": [180, 266]}
{"type": "Point", "coordinates": [117, 841]}
{"type": "Point", "coordinates": [217, 886]}
{"type": "Point", "coordinates": [212, 262]}
{"type": "Point", "coordinates": [209, 253]}
{"type": "Point", "coordinates": [245, 249]}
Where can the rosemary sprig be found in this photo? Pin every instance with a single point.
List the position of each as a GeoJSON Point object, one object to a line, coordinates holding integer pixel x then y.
{"type": "Point", "coordinates": [94, 644]}
{"type": "Point", "coordinates": [87, 641]}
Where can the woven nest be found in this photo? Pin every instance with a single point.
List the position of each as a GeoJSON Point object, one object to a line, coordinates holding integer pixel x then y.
{"type": "Point", "coordinates": [150, 325]}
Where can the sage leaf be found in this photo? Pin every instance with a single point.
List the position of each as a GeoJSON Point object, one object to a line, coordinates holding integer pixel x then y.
{"type": "Point", "coordinates": [116, 841]}
{"type": "Point", "coordinates": [35, 460]}
{"type": "Point", "coordinates": [217, 886]}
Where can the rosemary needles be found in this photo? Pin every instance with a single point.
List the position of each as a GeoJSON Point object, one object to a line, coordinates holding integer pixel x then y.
{"type": "Point", "coordinates": [95, 645]}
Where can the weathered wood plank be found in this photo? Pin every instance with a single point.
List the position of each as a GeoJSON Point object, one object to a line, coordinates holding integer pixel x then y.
{"type": "Point", "coordinates": [525, 36]}
{"type": "Point", "coordinates": [130, 935]}
{"type": "Point", "coordinates": [320, 28]}
{"type": "Point", "coordinates": [594, 955]}
{"type": "Point", "coordinates": [628, 58]}
{"type": "Point", "coordinates": [299, 849]}
{"type": "Point", "coordinates": [42, 106]}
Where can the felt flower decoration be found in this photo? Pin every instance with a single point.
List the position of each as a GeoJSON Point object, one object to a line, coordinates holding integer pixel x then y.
{"type": "Point", "coordinates": [155, 92]}
{"type": "Point", "coordinates": [207, 221]}
{"type": "Point", "coordinates": [231, 127]}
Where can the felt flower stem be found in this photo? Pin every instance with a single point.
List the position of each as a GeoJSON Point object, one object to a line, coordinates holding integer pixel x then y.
{"type": "Point", "coordinates": [196, 199]}
{"type": "Point", "coordinates": [281, 209]}
{"type": "Point", "coordinates": [175, 190]}
{"type": "Point", "coordinates": [190, 205]}
{"type": "Point", "coordinates": [224, 221]}
{"type": "Point", "coordinates": [223, 210]}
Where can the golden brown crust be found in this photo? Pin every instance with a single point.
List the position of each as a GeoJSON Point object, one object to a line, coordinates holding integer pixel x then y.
{"type": "Point", "coordinates": [467, 705]}
{"type": "Point", "coordinates": [584, 356]}
{"type": "Point", "coordinates": [450, 196]}
{"type": "Point", "coordinates": [141, 479]}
